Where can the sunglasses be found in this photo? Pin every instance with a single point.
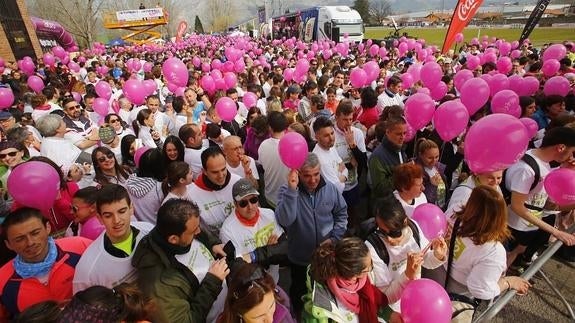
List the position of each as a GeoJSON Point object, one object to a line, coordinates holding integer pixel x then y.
{"type": "Point", "coordinates": [244, 203]}
{"type": "Point", "coordinates": [104, 158]}
{"type": "Point", "coordinates": [77, 106]}
{"type": "Point", "coordinates": [11, 154]}
{"type": "Point", "coordinates": [390, 234]}
{"type": "Point", "coordinates": [114, 120]}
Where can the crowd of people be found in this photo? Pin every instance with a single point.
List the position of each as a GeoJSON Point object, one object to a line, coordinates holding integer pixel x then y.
{"type": "Point", "coordinates": [169, 211]}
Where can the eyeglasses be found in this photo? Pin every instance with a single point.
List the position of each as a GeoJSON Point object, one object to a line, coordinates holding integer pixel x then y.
{"type": "Point", "coordinates": [248, 285]}
{"type": "Point", "coordinates": [114, 120]}
{"type": "Point", "coordinates": [11, 154]}
{"type": "Point", "coordinates": [390, 234]}
{"type": "Point", "coordinates": [244, 203]}
{"type": "Point", "coordinates": [107, 156]}
{"type": "Point", "coordinates": [77, 106]}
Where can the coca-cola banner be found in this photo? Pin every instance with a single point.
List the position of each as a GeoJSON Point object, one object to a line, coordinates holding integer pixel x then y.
{"type": "Point", "coordinates": [462, 15]}
{"type": "Point", "coordinates": [533, 19]}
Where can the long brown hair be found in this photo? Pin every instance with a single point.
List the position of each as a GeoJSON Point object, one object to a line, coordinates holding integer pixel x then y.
{"type": "Point", "coordinates": [343, 259]}
{"type": "Point", "coordinates": [484, 217]}
{"type": "Point", "coordinates": [247, 288]}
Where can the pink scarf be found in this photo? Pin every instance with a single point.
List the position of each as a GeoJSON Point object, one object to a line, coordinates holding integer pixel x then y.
{"type": "Point", "coordinates": [345, 290]}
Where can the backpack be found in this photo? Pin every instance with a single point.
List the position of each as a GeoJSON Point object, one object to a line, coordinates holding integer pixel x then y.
{"type": "Point", "coordinates": [531, 162]}
{"type": "Point", "coordinates": [376, 241]}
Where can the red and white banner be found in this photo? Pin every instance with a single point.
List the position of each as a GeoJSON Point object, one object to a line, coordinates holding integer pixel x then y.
{"type": "Point", "coordinates": [462, 15]}
{"type": "Point", "coordinates": [181, 30]}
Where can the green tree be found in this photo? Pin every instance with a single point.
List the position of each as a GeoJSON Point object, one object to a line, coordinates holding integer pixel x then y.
{"type": "Point", "coordinates": [362, 7]}
{"type": "Point", "coordinates": [198, 27]}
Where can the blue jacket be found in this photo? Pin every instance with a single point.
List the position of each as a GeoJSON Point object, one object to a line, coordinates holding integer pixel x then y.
{"type": "Point", "coordinates": [310, 219]}
{"type": "Point", "coordinates": [541, 119]}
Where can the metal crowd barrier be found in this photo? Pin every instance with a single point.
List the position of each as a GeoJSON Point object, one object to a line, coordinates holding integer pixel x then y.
{"type": "Point", "coordinates": [498, 305]}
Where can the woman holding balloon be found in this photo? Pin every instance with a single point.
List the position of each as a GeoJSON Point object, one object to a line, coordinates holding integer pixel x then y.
{"type": "Point", "coordinates": [399, 247]}
{"type": "Point", "coordinates": [478, 262]}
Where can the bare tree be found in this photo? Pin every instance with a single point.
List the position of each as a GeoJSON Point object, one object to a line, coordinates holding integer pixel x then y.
{"type": "Point", "coordinates": [379, 10]}
{"type": "Point", "coordinates": [220, 13]}
{"type": "Point", "coordinates": [80, 17]}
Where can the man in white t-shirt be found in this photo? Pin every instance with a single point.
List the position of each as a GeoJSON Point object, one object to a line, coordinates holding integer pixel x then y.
{"type": "Point", "coordinates": [176, 266]}
{"type": "Point", "coordinates": [528, 222]}
{"type": "Point", "coordinates": [107, 261]}
{"type": "Point", "coordinates": [275, 172]}
{"type": "Point", "coordinates": [191, 136]}
{"type": "Point", "coordinates": [212, 190]}
{"type": "Point", "coordinates": [332, 166]}
{"type": "Point", "coordinates": [391, 95]}
{"type": "Point", "coordinates": [254, 231]}
{"type": "Point", "coordinates": [238, 162]}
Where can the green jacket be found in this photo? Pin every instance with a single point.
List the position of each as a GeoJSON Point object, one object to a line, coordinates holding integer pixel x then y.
{"type": "Point", "coordinates": [178, 299]}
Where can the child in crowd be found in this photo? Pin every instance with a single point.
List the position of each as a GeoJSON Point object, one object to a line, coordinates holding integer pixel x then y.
{"type": "Point", "coordinates": [85, 223]}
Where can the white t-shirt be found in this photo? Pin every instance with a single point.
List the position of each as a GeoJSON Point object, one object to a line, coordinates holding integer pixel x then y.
{"type": "Point", "coordinates": [239, 170]}
{"type": "Point", "coordinates": [194, 158]}
{"type": "Point", "coordinates": [59, 150]}
{"type": "Point", "coordinates": [215, 206]}
{"type": "Point", "coordinates": [409, 208]}
{"type": "Point", "coordinates": [478, 267]}
{"type": "Point", "coordinates": [330, 161]}
{"type": "Point", "coordinates": [390, 278]}
{"type": "Point", "coordinates": [98, 267]}
{"type": "Point", "coordinates": [275, 172]}
{"type": "Point", "coordinates": [345, 153]}
{"type": "Point", "coordinates": [198, 260]}
{"type": "Point", "coordinates": [186, 196]}
{"type": "Point", "coordinates": [519, 178]}
{"type": "Point", "coordinates": [247, 239]}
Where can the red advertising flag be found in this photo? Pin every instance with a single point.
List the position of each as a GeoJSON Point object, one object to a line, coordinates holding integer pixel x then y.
{"type": "Point", "coordinates": [462, 15]}
{"type": "Point", "coordinates": [181, 30]}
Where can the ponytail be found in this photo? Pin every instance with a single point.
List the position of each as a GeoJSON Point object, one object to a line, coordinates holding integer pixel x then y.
{"type": "Point", "coordinates": [342, 259]}
{"type": "Point", "coordinates": [423, 144]}
{"type": "Point", "coordinates": [323, 263]}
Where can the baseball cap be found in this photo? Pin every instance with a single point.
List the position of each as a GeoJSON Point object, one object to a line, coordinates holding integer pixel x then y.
{"type": "Point", "coordinates": [5, 115]}
{"type": "Point", "coordinates": [243, 188]}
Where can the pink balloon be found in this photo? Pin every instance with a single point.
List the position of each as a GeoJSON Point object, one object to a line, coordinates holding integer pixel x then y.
{"type": "Point", "coordinates": [216, 74]}
{"type": "Point", "coordinates": [450, 119]}
{"type": "Point", "coordinates": [48, 59]}
{"type": "Point", "coordinates": [175, 71]}
{"type": "Point", "coordinates": [371, 69]}
{"type": "Point", "coordinates": [472, 62]}
{"type": "Point", "coordinates": [196, 61]}
{"type": "Point", "coordinates": [419, 109]}
{"type": "Point", "coordinates": [431, 74]}
{"type": "Point", "coordinates": [516, 83]}
{"type": "Point", "coordinates": [439, 91]}
{"type": "Point", "coordinates": [506, 101]}
{"type": "Point", "coordinates": [293, 150]}
{"type": "Point", "coordinates": [134, 91]}
{"type": "Point", "coordinates": [410, 134]}
{"type": "Point", "coordinates": [531, 126]}
{"type": "Point", "coordinates": [358, 77]}
{"type": "Point", "coordinates": [373, 50]}
{"type": "Point", "coordinates": [382, 52]}
{"type": "Point", "coordinates": [495, 142]}
{"type": "Point", "coordinates": [148, 67]}
{"type": "Point", "coordinates": [302, 66]}
{"type": "Point", "coordinates": [59, 52]}
{"type": "Point", "coordinates": [92, 228]}
{"type": "Point", "coordinates": [230, 79]}
{"type": "Point", "coordinates": [6, 98]}
{"type": "Point", "coordinates": [497, 82]}
{"type": "Point", "coordinates": [220, 84]}
{"type": "Point", "coordinates": [206, 67]}
{"type": "Point", "coordinates": [402, 49]}
{"type": "Point", "coordinates": [461, 77]}
{"type": "Point", "coordinates": [208, 84]}
{"type": "Point", "coordinates": [407, 80]}
{"type": "Point", "coordinates": [415, 71]}
{"type": "Point", "coordinates": [150, 86]}
{"type": "Point", "coordinates": [558, 85]}
{"type": "Point", "coordinates": [474, 94]}
{"type": "Point", "coordinates": [226, 109]}
{"type": "Point", "coordinates": [556, 52]}
{"type": "Point", "coordinates": [550, 67]}
{"type": "Point", "coordinates": [240, 66]}
{"type": "Point", "coordinates": [425, 301]}
{"type": "Point", "coordinates": [104, 90]}
{"type": "Point", "coordinates": [458, 37]}
{"type": "Point", "coordinates": [515, 53]}
{"type": "Point", "coordinates": [35, 83]}
{"type": "Point", "coordinates": [530, 86]}
{"type": "Point", "coordinates": [101, 106]}
{"type": "Point", "coordinates": [560, 186]}
{"type": "Point", "coordinates": [431, 220]}
{"type": "Point", "coordinates": [138, 154]}
{"type": "Point", "coordinates": [250, 99]}
{"type": "Point", "coordinates": [504, 65]}
{"type": "Point", "coordinates": [77, 97]}
{"type": "Point", "coordinates": [424, 90]}
{"type": "Point", "coordinates": [39, 175]}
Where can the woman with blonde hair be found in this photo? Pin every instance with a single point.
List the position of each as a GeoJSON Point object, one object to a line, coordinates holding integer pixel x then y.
{"type": "Point", "coordinates": [477, 259]}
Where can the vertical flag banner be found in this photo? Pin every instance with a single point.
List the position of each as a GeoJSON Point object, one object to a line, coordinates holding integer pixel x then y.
{"type": "Point", "coordinates": [533, 19]}
{"type": "Point", "coordinates": [181, 30]}
{"type": "Point", "coordinates": [462, 15]}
